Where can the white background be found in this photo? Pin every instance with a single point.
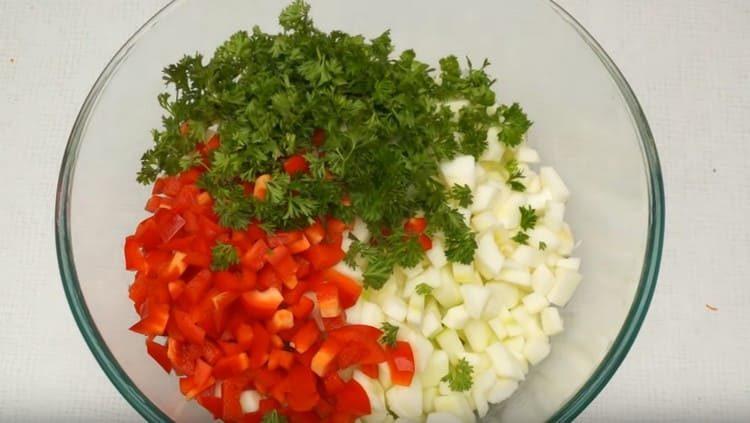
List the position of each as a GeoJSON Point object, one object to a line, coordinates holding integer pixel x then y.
{"type": "Point", "coordinates": [688, 62]}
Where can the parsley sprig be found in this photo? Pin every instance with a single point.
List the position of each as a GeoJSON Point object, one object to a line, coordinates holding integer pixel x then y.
{"type": "Point", "coordinates": [223, 256]}
{"type": "Point", "coordinates": [389, 334]}
{"type": "Point", "coordinates": [386, 123]}
{"type": "Point", "coordinates": [459, 376]}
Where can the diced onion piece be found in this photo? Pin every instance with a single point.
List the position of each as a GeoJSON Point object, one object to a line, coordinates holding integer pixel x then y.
{"type": "Point", "coordinates": [360, 230]}
{"type": "Point", "coordinates": [552, 323]}
{"type": "Point", "coordinates": [249, 401]}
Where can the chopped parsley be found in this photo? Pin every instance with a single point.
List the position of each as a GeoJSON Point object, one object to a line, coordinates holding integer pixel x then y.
{"type": "Point", "coordinates": [528, 217]}
{"type": "Point", "coordinates": [389, 334]}
{"type": "Point", "coordinates": [386, 124]}
{"type": "Point", "coordinates": [521, 238]}
{"type": "Point", "coordinates": [459, 376]}
{"type": "Point", "coordinates": [423, 289]}
{"type": "Point", "coordinates": [223, 256]}
{"type": "Point", "coordinates": [514, 176]}
{"type": "Point", "coordinates": [542, 245]}
{"type": "Point", "coordinates": [462, 195]}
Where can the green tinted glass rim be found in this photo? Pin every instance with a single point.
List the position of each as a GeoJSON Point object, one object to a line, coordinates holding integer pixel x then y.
{"type": "Point", "coordinates": [568, 412]}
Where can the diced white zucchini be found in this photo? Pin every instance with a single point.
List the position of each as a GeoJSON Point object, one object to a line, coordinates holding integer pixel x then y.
{"type": "Point", "coordinates": [484, 381]}
{"type": "Point", "coordinates": [484, 221]}
{"type": "Point", "coordinates": [411, 272]}
{"type": "Point", "coordinates": [455, 404]}
{"type": "Point", "coordinates": [456, 317]}
{"type": "Point", "coordinates": [484, 196]}
{"type": "Point", "coordinates": [406, 401]}
{"type": "Point", "coordinates": [395, 308]}
{"type": "Point", "coordinates": [346, 242]}
{"type": "Point", "coordinates": [372, 314]}
{"type": "Point", "coordinates": [552, 323]}
{"type": "Point", "coordinates": [460, 171]}
{"type": "Point", "coordinates": [444, 388]}
{"type": "Point", "coordinates": [527, 256]}
{"type": "Point", "coordinates": [572, 263]}
{"type": "Point", "coordinates": [552, 181]}
{"type": "Point", "coordinates": [545, 235]}
{"type": "Point", "coordinates": [360, 230]}
{"type": "Point", "coordinates": [374, 390]}
{"type": "Point", "coordinates": [503, 296]}
{"type": "Point", "coordinates": [538, 201]}
{"type": "Point", "coordinates": [442, 417]}
{"type": "Point", "coordinates": [535, 302]}
{"type": "Point", "coordinates": [502, 390]}
{"type": "Point", "coordinates": [428, 399]}
{"type": "Point", "coordinates": [415, 310]}
{"type": "Point", "coordinates": [449, 341]}
{"type": "Point", "coordinates": [537, 348]}
{"type": "Point", "coordinates": [480, 402]}
{"type": "Point", "coordinates": [421, 347]}
{"type": "Point", "coordinates": [488, 256]}
{"type": "Point", "coordinates": [478, 335]}
{"type": "Point", "coordinates": [436, 254]}
{"type": "Point", "coordinates": [475, 299]}
{"type": "Point", "coordinates": [566, 240]}
{"type": "Point", "coordinates": [554, 215]}
{"type": "Point", "coordinates": [437, 367]}
{"type": "Point", "coordinates": [518, 277]}
{"type": "Point", "coordinates": [515, 345]}
{"type": "Point", "coordinates": [447, 294]}
{"type": "Point", "coordinates": [430, 276]}
{"type": "Point", "coordinates": [384, 375]}
{"type": "Point", "coordinates": [431, 321]}
{"type": "Point", "coordinates": [495, 149]}
{"type": "Point", "coordinates": [250, 401]}
{"type": "Point", "coordinates": [505, 364]}
{"type": "Point", "coordinates": [498, 328]}
{"type": "Point", "coordinates": [513, 329]}
{"type": "Point", "coordinates": [455, 106]}
{"type": "Point", "coordinates": [462, 273]}
{"type": "Point", "coordinates": [507, 211]}
{"type": "Point", "coordinates": [542, 279]}
{"type": "Point", "coordinates": [345, 269]}
{"type": "Point", "coordinates": [566, 282]}
{"type": "Point", "coordinates": [354, 313]}
{"type": "Point", "coordinates": [527, 155]}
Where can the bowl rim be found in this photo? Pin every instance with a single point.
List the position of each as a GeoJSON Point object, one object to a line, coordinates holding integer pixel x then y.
{"type": "Point", "coordinates": [571, 409]}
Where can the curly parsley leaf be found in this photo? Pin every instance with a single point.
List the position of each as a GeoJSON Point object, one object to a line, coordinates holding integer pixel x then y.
{"type": "Point", "coordinates": [223, 256]}
{"type": "Point", "coordinates": [514, 126]}
{"type": "Point", "coordinates": [459, 376]}
{"type": "Point", "coordinates": [528, 217]}
{"type": "Point", "coordinates": [514, 176]}
{"type": "Point", "coordinates": [462, 195]}
{"type": "Point", "coordinates": [423, 289]}
{"type": "Point", "coordinates": [389, 334]}
{"type": "Point", "coordinates": [521, 238]}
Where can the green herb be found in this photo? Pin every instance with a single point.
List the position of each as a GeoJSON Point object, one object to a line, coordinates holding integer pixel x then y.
{"type": "Point", "coordinates": [223, 256]}
{"type": "Point", "coordinates": [521, 238]}
{"type": "Point", "coordinates": [389, 334]}
{"type": "Point", "coordinates": [542, 245]}
{"type": "Point", "coordinates": [459, 376]}
{"type": "Point", "coordinates": [528, 217]}
{"type": "Point", "coordinates": [462, 195]}
{"type": "Point", "coordinates": [273, 416]}
{"type": "Point", "coordinates": [386, 124]}
{"type": "Point", "coordinates": [423, 289]}
{"type": "Point", "coordinates": [514, 176]}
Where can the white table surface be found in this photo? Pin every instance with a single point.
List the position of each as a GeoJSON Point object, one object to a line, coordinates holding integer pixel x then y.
{"type": "Point", "coordinates": [687, 60]}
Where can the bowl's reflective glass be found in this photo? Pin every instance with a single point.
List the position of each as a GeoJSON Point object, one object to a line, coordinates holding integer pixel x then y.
{"type": "Point", "coordinates": [587, 124]}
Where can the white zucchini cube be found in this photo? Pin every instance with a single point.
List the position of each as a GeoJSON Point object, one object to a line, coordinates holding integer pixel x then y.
{"type": "Point", "coordinates": [478, 335]}
{"type": "Point", "coordinates": [360, 230]}
{"type": "Point", "coordinates": [431, 322]}
{"type": "Point", "coordinates": [442, 417]}
{"type": "Point", "coordinates": [498, 328]}
{"type": "Point", "coordinates": [436, 254]}
{"type": "Point", "coordinates": [428, 399]}
{"type": "Point", "coordinates": [437, 368]}
{"type": "Point", "coordinates": [455, 404]}
{"type": "Point", "coordinates": [502, 390]}
{"type": "Point", "coordinates": [527, 155]}
{"type": "Point", "coordinates": [537, 348]}
{"type": "Point", "coordinates": [250, 401]}
{"type": "Point", "coordinates": [535, 302]}
{"type": "Point", "coordinates": [372, 314]}
{"type": "Point", "coordinates": [542, 279]}
{"type": "Point", "coordinates": [571, 263]}
{"type": "Point", "coordinates": [484, 221]}
{"type": "Point", "coordinates": [449, 341]}
{"type": "Point", "coordinates": [421, 346]}
{"type": "Point", "coordinates": [504, 363]}
{"type": "Point", "coordinates": [484, 197]}
{"type": "Point", "coordinates": [475, 299]}
{"type": "Point", "coordinates": [395, 308]}
{"type": "Point", "coordinates": [518, 277]}
{"type": "Point", "coordinates": [462, 273]}
{"type": "Point", "coordinates": [566, 282]}
{"type": "Point", "coordinates": [456, 317]}
{"type": "Point", "coordinates": [488, 256]}
{"type": "Point", "coordinates": [527, 256]}
{"type": "Point", "coordinates": [552, 181]}
{"type": "Point", "coordinates": [552, 323]}
{"type": "Point", "coordinates": [415, 310]}
{"type": "Point", "coordinates": [460, 171]}
{"type": "Point", "coordinates": [406, 401]}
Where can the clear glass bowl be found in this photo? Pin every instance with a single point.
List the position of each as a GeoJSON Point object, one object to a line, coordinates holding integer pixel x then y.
{"type": "Point", "coordinates": [588, 124]}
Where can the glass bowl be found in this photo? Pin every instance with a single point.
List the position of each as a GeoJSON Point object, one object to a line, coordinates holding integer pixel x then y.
{"type": "Point", "coordinates": [588, 125]}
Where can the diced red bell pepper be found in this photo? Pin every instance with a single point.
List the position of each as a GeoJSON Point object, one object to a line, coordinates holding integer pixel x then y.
{"type": "Point", "coordinates": [261, 346]}
{"type": "Point", "coordinates": [324, 357]}
{"type": "Point", "coordinates": [182, 356]}
{"type": "Point", "coordinates": [227, 281]}
{"type": "Point", "coordinates": [231, 366]}
{"type": "Point", "coordinates": [261, 186]}
{"type": "Point", "coordinates": [230, 395]}
{"type": "Point", "coordinates": [176, 266]}
{"type": "Point", "coordinates": [280, 359]}
{"type": "Point", "coordinates": [189, 329]}
{"type": "Point", "coordinates": [349, 289]}
{"type": "Point", "coordinates": [197, 286]}
{"type": "Point", "coordinates": [328, 300]}
{"type": "Point", "coordinates": [322, 256]}
{"type": "Point", "coordinates": [213, 404]}
{"type": "Point", "coordinates": [315, 233]}
{"type": "Point", "coordinates": [303, 392]}
{"type": "Point", "coordinates": [265, 379]}
{"type": "Point", "coordinates": [306, 336]}
{"type": "Point", "coordinates": [415, 225]}
{"type": "Point", "coordinates": [296, 164]}
{"type": "Point", "coordinates": [425, 242]}
{"type": "Point", "coordinates": [262, 304]}
{"type": "Point", "coordinates": [282, 319]}
{"type": "Point", "coordinates": [318, 137]}
{"type": "Point", "coordinates": [134, 257]}
{"type": "Point", "coordinates": [172, 186]}
{"type": "Point", "coordinates": [401, 363]}
{"type": "Point", "coordinates": [333, 383]}
{"type": "Point", "coordinates": [353, 399]}
{"type": "Point", "coordinates": [154, 321]}
{"type": "Point", "coordinates": [168, 223]}
{"type": "Point", "coordinates": [370, 370]}
{"type": "Point", "coordinates": [147, 233]}
{"type": "Point", "coordinates": [244, 335]}
{"type": "Point", "coordinates": [159, 353]}
{"type": "Point", "coordinates": [302, 309]}
{"type": "Point", "coordinates": [268, 278]}
{"type": "Point", "coordinates": [199, 381]}
{"type": "Point", "coordinates": [176, 288]}
{"type": "Point", "coordinates": [331, 323]}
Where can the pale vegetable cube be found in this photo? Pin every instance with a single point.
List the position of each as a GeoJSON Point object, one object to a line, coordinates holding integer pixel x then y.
{"type": "Point", "coordinates": [495, 149]}
{"type": "Point", "coordinates": [421, 346]}
{"type": "Point", "coordinates": [498, 328]}
{"type": "Point", "coordinates": [554, 215]}
{"type": "Point", "coordinates": [484, 221]}
{"type": "Point", "coordinates": [354, 313]}
{"type": "Point", "coordinates": [410, 272]}
{"type": "Point", "coordinates": [542, 280]}
{"type": "Point", "coordinates": [345, 269]}
{"type": "Point", "coordinates": [360, 230]}
{"type": "Point", "coordinates": [441, 417]}
{"type": "Point", "coordinates": [488, 256]}
{"type": "Point", "coordinates": [384, 375]}
{"type": "Point", "coordinates": [566, 240]}
{"type": "Point", "coordinates": [527, 155]}
{"type": "Point", "coordinates": [406, 401]}
{"type": "Point", "coordinates": [552, 181]}
{"type": "Point", "coordinates": [502, 390]}
{"type": "Point", "coordinates": [436, 254]}
{"type": "Point", "coordinates": [437, 367]}
{"type": "Point", "coordinates": [513, 329]}
{"type": "Point", "coordinates": [374, 390]}
{"type": "Point", "coordinates": [515, 345]}
{"type": "Point", "coordinates": [460, 171]}
{"type": "Point", "coordinates": [372, 315]}
{"type": "Point", "coordinates": [537, 348]}
{"type": "Point", "coordinates": [455, 404]}
{"type": "Point", "coordinates": [449, 341]}
{"type": "Point", "coordinates": [539, 200]}
{"type": "Point", "coordinates": [428, 399]}
{"type": "Point", "coordinates": [518, 277]}
{"type": "Point", "coordinates": [475, 299]}
{"type": "Point", "coordinates": [535, 302]}
{"type": "Point", "coordinates": [484, 196]}
{"type": "Point", "coordinates": [528, 323]}
{"type": "Point", "coordinates": [346, 242]}
{"type": "Point", "coordinates": [566, 282]}
{"type": "Point", "coordinates": [526, 256]}
{"type": "Point", "coordinates": [508, 212]}
{"type": "Point", "coordinates": [484, 382]}
{"type": "Point", "coordinates": [463, 272]}
{"type": "Point", "coordinates": [502, 296]}
{"type": "Point", "coordinates": [533, 183]}
{"type": "Point", "coordinates": [431, 322]}
{"type": "Point", "coordinates": [456, 317]}
{"type": "Point", "coordinates": [444, 388]}
{"type": "Point", "coordinates": [447, 294]}
{"type": "Point", "coordinates": [552, 323]}
{"type": "Point", "coordinates": [395, 308]}
{"type": "Point", "coordinates": [480, 402]}
{"type": "Point", "coordinates": [505, 364]}
{"type": "Point", "coordinates": [376, 417]}
{"type": "Point", "coordinates": [430, 276]}
{"type": "Point", "coordinates": [250, 401]}
{"type": "Point", "coordinates": [478, 334]}
{"type": "Point", "coordinates": [572, 263]}
{"type": "Point", "coordinates": [545, 235]}
{"type": "Point", "coordinates": [415, 310]}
